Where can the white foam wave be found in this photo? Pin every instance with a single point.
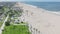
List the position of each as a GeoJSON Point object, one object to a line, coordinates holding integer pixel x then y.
{"type": "Point", "coordinates": [55, 12]}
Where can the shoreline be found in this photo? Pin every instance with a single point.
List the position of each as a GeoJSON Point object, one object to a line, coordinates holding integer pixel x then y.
{"type": "Point", "coordinates": [54, 12]}
{"type": "Point", "coordinates": [40, 19]}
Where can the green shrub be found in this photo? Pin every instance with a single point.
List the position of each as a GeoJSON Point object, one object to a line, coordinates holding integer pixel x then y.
{"type": "Point", "coordinates": [22, 22]}
{"type": "Point", "coordinates": [18, 23]}
{"type": "Point", "coordinates": [7, 23]}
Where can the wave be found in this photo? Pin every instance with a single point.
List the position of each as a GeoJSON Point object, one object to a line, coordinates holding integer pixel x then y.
{"type": "Point", "coordinates": [55, 12]}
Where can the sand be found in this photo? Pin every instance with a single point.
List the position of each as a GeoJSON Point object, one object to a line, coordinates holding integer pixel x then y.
{"type": "Point", "coordinates": [40, 19]}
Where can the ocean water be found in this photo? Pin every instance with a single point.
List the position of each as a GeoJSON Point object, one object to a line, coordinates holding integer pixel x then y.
{"type": "Point", "coordinates": [51, 6]}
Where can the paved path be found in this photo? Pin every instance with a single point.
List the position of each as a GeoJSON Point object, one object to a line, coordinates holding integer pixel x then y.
{"type": "Point", "coordinates": [2, 27]}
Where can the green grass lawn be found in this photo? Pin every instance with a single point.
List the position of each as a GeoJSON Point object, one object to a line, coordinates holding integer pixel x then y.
{"type": "Point", "coordinates": [16, 29]}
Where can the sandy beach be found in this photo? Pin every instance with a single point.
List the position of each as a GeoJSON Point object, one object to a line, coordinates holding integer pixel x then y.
{"type": "Point", "coordinates": [40, 19]}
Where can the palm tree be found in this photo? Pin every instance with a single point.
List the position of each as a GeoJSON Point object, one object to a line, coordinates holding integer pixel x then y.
{"type": "Point", "coordinates": [8, 12]}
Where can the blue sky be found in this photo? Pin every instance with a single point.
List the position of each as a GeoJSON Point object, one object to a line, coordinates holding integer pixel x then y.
{"type": "Point", "coordinates": [34, 0]}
